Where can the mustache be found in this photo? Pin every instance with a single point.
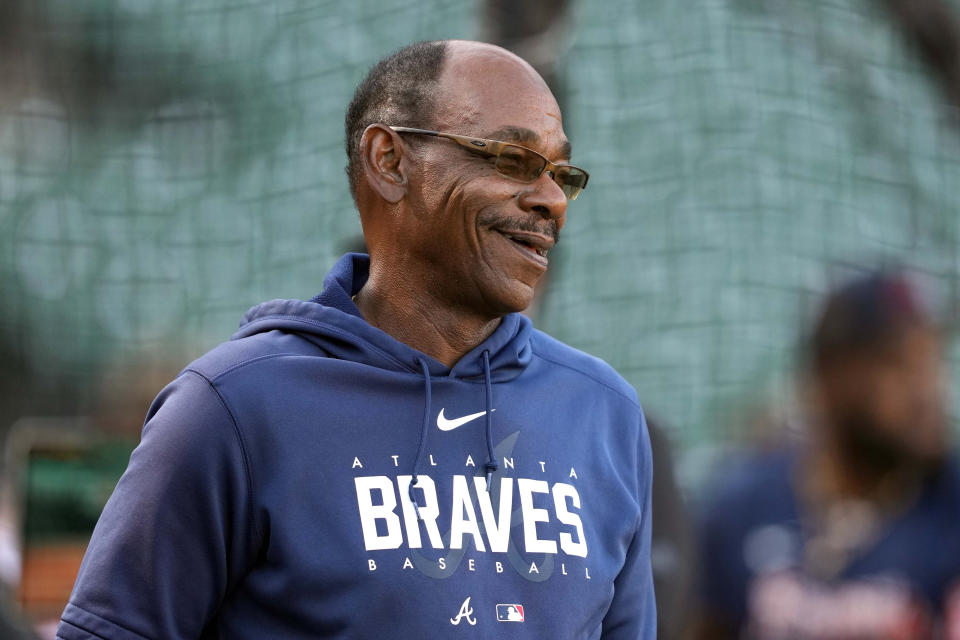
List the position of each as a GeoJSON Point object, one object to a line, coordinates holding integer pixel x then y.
{"type": "Point", "coordinates": [510, 223]}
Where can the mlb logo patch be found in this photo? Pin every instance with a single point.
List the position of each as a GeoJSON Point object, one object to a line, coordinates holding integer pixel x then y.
{"type": "Point", "coordinates": [509, 613]}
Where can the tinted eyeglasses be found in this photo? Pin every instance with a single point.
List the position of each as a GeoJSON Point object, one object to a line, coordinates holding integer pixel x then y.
{"type": "Point", "coordinates": [516, 162]}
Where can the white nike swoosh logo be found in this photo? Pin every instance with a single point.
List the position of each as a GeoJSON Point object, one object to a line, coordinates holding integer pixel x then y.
{"type": "Point", "coordinates": [445, 424]}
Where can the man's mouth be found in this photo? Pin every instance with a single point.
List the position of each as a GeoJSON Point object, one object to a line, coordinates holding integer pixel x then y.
{"type": "Point", "coordinates": [532, 242]}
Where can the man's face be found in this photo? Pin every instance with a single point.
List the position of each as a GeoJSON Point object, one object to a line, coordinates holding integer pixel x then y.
{"type": "Point", "coordinates": [482, 234]}
{"type": "Point", "coordinates": [890, 403]}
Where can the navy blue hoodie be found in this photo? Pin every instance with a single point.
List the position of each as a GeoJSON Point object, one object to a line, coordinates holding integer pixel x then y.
{"type": "Point", "coordinates": [315, 478]}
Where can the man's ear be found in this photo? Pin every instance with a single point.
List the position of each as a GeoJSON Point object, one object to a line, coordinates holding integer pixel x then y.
{"type": "Point", "coordinates": [384, 164]}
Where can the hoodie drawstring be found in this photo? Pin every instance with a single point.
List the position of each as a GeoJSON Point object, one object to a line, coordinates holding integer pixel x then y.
{"type": "Point", "coordinates": [491, 461]}
{"type": "Point", "coordinates": [491, 465]}
{"type": "Point", "coordinates": [427, 410]}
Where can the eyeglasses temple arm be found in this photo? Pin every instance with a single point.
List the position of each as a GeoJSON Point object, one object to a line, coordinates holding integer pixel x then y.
{"type": "Point", "coordinates": [426, 132]}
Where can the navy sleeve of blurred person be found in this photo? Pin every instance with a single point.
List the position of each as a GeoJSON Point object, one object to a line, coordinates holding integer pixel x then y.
{"type": "Point", "coordinates": [177, 531]}
{"type": "Point", "coordinates": [722, 578]}
{"type": "Point", "coordinates": [753, 491]}
{"type": "Point", "coordinates": [633, 612]}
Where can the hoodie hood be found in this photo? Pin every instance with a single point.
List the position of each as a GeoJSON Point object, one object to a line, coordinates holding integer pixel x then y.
{"type": "Point", "coordinates": [332, 321]}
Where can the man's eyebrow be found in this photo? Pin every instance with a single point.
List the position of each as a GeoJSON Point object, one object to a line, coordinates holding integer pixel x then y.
{"type": "Point", "coordinates": [526, 137]}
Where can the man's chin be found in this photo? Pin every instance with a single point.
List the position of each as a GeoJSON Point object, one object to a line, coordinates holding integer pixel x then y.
{"type": "Point", "coordinates": [518, 304]}
{"type": "Point", "coordinates": [512, 296]}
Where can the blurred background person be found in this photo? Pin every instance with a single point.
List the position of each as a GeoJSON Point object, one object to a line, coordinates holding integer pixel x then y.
{"type": "Point", "coordinates": [853, 532]}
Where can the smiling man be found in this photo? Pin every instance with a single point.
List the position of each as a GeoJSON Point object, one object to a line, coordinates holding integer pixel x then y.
{"type": "Point", "coordinates": [403, 455]}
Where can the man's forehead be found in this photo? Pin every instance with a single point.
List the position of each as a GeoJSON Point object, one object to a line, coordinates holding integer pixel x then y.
{"type": "Point", "coordinates": [489, 92]}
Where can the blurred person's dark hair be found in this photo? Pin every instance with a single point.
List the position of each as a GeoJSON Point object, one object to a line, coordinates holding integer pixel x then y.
{"type": "Point", "coordinates": [865, 313]}
{"type": "Point", "coordinates": [398, 90]}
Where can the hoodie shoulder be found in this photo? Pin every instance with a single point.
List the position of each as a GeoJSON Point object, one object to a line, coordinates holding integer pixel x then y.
{"type": "Point", "coordinates": [552, 350]}
{"type": "Point", "coordinates": [237, 353]}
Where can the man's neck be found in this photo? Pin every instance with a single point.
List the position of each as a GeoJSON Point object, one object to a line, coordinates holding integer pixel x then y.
{"type": "Point", "coordinates": [416, 318]}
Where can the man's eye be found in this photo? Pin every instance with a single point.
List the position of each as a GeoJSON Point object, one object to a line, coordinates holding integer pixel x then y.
{"type": "Point", "coordinates": [510, 160]}
{"type": "Point", "coordinates": [509, 163]}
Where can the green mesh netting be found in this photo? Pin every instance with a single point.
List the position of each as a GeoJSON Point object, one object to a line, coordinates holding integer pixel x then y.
{"type": "Point", "coordinates": [165, 165]}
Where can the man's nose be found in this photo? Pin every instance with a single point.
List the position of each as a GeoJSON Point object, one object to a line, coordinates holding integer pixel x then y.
{"type": "Point", "coordinates": [544, 196]}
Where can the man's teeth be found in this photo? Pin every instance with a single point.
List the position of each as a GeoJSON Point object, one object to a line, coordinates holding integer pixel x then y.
{"type": "Point", "coordinates": [529, 247]}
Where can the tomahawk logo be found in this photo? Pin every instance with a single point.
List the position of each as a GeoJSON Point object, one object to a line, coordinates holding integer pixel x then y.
{"type": "Point", "coordinates": [466, 611]}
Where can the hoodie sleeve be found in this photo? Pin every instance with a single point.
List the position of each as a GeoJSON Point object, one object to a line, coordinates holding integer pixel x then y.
{"type": "Point", "coordinates": [176, 533]}
{"type": "Point", "coordinates": [633, 612]}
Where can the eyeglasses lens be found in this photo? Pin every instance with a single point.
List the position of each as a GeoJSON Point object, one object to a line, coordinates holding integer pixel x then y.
{"type": "Point", "coordinates": [572, 180]}
{"type": "Point", "coordinates": [519, 163]}
{"type": "Point", "coordinates": [524, 165]}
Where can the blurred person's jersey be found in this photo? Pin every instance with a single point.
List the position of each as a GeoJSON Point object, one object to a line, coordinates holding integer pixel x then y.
{"type": "Point", "coordinates": [772, 575]}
